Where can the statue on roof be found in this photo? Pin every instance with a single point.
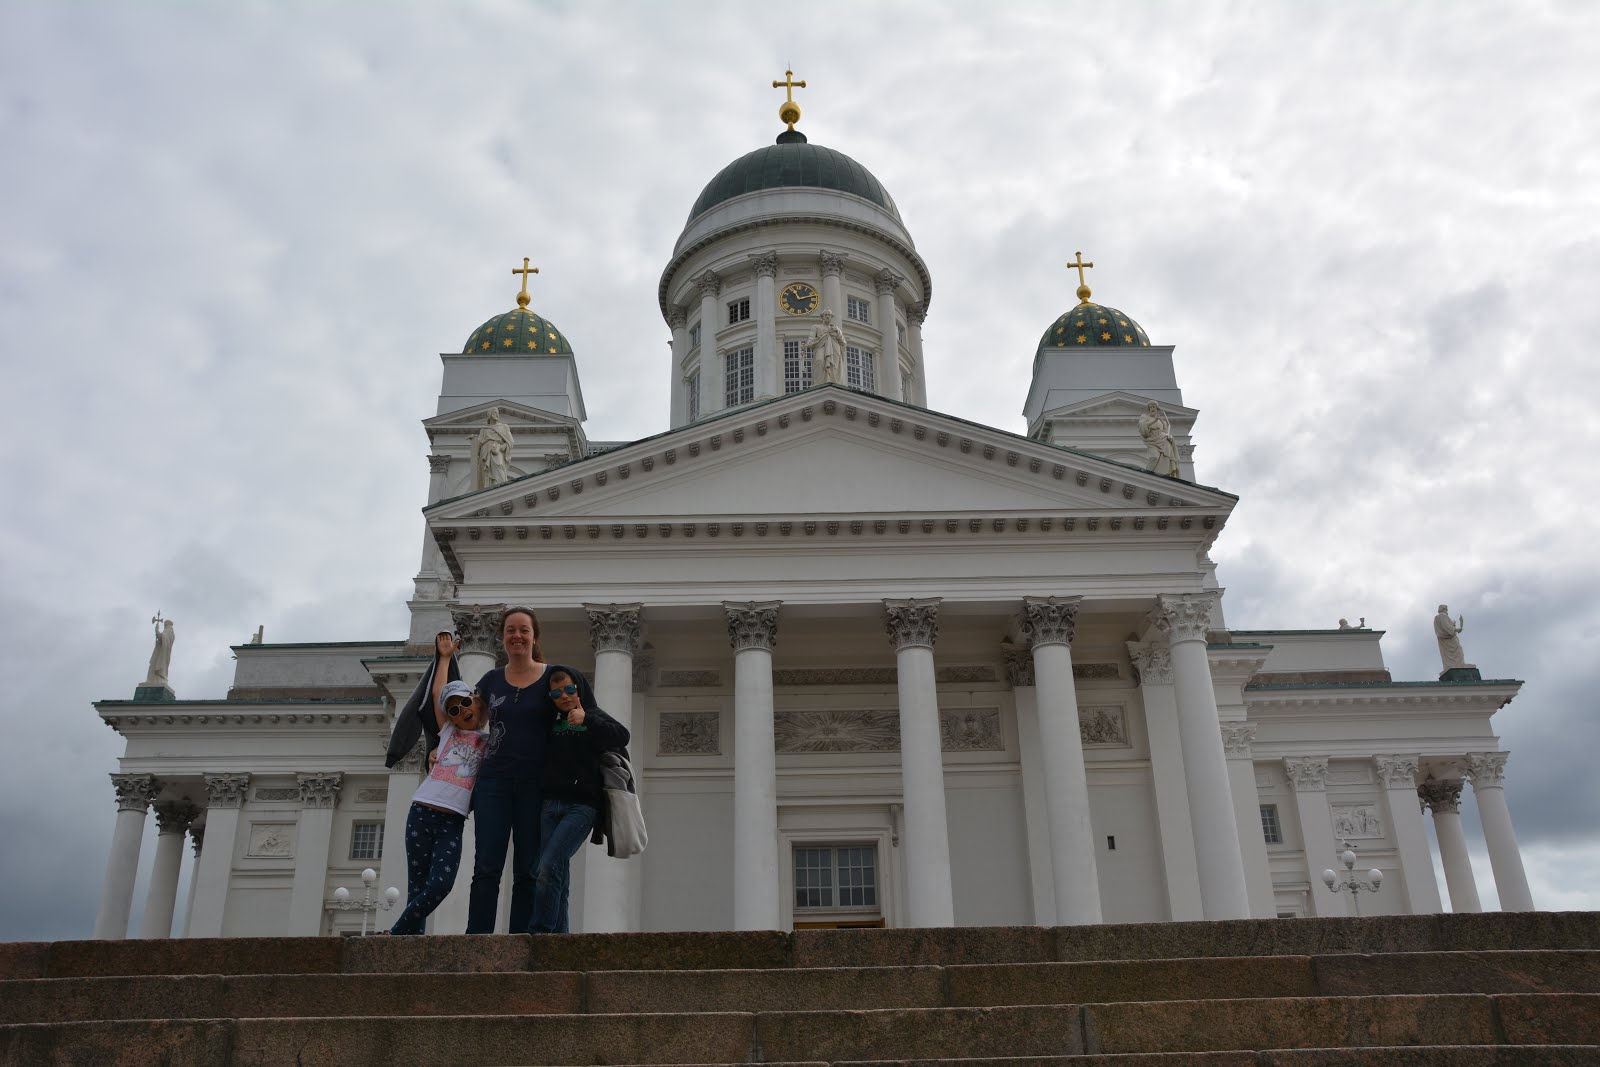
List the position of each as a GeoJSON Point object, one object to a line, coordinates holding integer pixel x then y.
{"type": "Point", "coordinates": [1450, 651]}
{"type": "Point", "coordinates": [830, 339]}
{"type": "Point", "coordinates": [491, 452]}
{"type": "Point", "coordinates": [1162, 450]}
{"type": "Point", "coordinates": [161, 655]}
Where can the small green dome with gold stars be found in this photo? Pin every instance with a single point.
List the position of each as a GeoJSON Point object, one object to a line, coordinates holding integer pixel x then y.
{"type": "Point", "coordinates": [1093, 326]}
{"type": "Point", "coordinates": [518, 331]}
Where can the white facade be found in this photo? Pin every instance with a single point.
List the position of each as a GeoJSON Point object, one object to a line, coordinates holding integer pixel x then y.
{"type": "Point", "coordinates": [854, 639]}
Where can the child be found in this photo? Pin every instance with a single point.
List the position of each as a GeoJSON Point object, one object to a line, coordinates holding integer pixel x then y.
{"type": "Point", "coordinates": [573, 794]}
{"type": "Point", "coordinates": [439, 806]}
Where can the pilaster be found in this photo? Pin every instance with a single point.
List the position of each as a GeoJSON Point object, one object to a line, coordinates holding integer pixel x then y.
{"type": "Point", "coordinates": [225, 795]}
{"type": "Point", "coordinates": [769, 379]}
{"type": "Point", "coordinates": [1237, 739]}
{"type": "Point", "coordinates": [1399, 776]}
{"type": "Point", "coordinates": [887, 282]}
{"type": "Point", "coordinates": [1309, 776]}
{"type": "Point", "coordinates": [319, 794]}
{"type": "Point", "coordinates": [1152, 663]}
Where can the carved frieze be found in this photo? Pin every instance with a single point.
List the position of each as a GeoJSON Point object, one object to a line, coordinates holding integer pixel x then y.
{"type": "Point", "coordinates": [274, 793]}
{"type": "Point", "coordinates": [1352, 821]}
{"type": "Point", "coordinates": [1050, 620]}
{"type": "Point", "coordinates": [837, 731]}
{"type": "Point", "coordinates": [478, 626]}
{"type": "Point", "coordinates": [614, 627]}
{"type": "Point", "coordinates": [964, 673]}
{"type": "Point", "coordinates": [971, 730]}
{"type": "Point", "coordinates": [135, 791]}
{"type": "Point", "coordinates": [1152, 662]}
{"type": "Point", "coordinates": [1397, 771]}
{"type": "Point", "coordinates": [689, 679]}
{"type": "Point", "coordinates": [752, 625]}
{"type": "Point", "coordinates": [1098, 672]}
{"type": "Point", "coordinates": [319, 790]}
{"type": "Point", "coordinates": [1487, 769]}
{"type": "Point", "coordinates": [835, 676]}
{"type": "Point", "coordinates": [372, 794]}
{"type": "Point", "coordinates": [1308, 774]}
{"type": "Point", "coordinates": [226, 790]}
{"type": "Point", "coordinates": [912, 623]}
{"type": "Point", "coordinates": [689, 733]}
{"type": "Point", "coordinates": [1102, 724]}
{"type": "Point", "coordinates": [1441, 796]}
{"type": "Point", "coordinates": [272, 840]}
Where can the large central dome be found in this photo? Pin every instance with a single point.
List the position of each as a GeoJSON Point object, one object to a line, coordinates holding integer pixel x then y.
{"type": "Point", "coordinates": [793, 163]}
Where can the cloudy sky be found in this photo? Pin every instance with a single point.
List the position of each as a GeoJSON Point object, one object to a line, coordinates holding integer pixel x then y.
{"type": "Point", "coordinates": [234, 239]}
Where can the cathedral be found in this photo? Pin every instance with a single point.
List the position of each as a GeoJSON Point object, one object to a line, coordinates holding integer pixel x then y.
{"type": "Point", "coordinates": [882, 665]}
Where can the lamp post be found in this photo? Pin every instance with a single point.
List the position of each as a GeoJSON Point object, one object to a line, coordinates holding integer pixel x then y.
{"type": "Point", "coordinates": [1350, 882]}
{"type": "Point", "coordinates": [368, 905]}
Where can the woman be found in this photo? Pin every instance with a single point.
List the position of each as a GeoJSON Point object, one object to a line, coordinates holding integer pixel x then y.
{"type": "Point", "coordinates": [507, 800]}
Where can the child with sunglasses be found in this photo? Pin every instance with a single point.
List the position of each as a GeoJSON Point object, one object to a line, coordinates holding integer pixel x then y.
{"type": "Point", "coordinates": [573, 794]}
{"type": "Point", "coordinates": [439, 806]}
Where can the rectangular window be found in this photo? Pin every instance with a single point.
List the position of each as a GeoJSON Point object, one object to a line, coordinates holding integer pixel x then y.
{"type": "Point", "coordinates": [833, 878]}
{"type": "Point", "coordinates": [1270, 829]}
{"type": "Point", "coordinates": [858, 369]}
{"type": "Point", "coordinates": [796, 367]}
{"type": "Point", "coordinates": [900, 332]}
{"type": "Point", "coordinates": [366, 841]}
{"type": "Point", "coordinates": [741, 377]}
{"type": "Point", "coordinates": [857, 309]}
{"type": "Point", "coordinates": [738, 311]}
{"type": "Point", "coordinates": [694, 336]}
{"type": "Point", "coordinates": [692, 387]}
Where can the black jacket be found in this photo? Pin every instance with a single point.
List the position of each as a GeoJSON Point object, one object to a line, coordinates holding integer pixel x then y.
{"type": "Point", "coordinates": [572, 756]}
{"type": "Point", "coordinates": [417, 719]}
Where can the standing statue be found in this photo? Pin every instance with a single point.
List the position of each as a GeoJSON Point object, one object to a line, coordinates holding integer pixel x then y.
{"type": "Point", "coordinates": [161, 655]}
{"type": "Point", "coordinates": [1449, 644]}
{"type": "Point", "coordinates": [828, 337]}
{"type": "Point", "coordinates": [1157, 434]}
{"type": "Point", "coordinates": [491, 453]}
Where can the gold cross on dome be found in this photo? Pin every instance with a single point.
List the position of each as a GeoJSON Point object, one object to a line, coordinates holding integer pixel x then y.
{"type": "Point", "coordinates": [524, 270]}
{"type": "Point", "coordinates": [1080, 266]}
{"type": "Point", "coordinates": [789, 111]}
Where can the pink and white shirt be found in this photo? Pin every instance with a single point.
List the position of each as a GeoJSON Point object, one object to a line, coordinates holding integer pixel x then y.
{"type": "Point", "coordinates": [449, 784]}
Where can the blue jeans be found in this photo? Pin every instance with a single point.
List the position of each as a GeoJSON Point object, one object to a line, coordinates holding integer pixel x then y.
{"type": "Point", "coordinates": [505, 811]}
{"type": "Point", "coordinates": [564, 825]}
{"type": "Point", "coordinates": [433, 852]}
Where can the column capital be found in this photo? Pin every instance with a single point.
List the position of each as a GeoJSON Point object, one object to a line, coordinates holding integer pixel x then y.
{"type": "Point", "coordinates": [1019, 664]}
{"type": "Point", "coordinates": [677, 317]}
{"type": "Point", "coordinates": [1237, 737]}
{"type": "Point", "coordinates": [887, 281]}
{"type": "Point", "coordinates": [1397, 770]}
{"type": "Point", "coordinates": [832, 262]}
{"type": "Point", "coordinates": [135, 791]}
{"type": "Point", "coordinates": [478, 626]}
{"type": "Point", "coordinates": [1308, 774]}
{"type": "Point", "coordinates": [644, 665]}
{"type": "Point", "coordinates": [752, 624]}
{"type": "Point", "coordinates": [197, 839]}
{"type": "Point", "coordinates": [709, 283]}
{"type": "Point", "coordinates": [1487, 769]}
{"type": "Point", "coordinates": [412, 761]}
{"type": "Point", "coordinates": [1441, 796]}
{"type": "Point", "coordinates": [1185, 616]}
{"type": "Point", "coordinates": [1152, 660]}
{"type": "Point", "coordinates": [614, 627]}
{"type": "Point", "coordinates": [912, 623]}
{"type": "Point", "coordinates": [1050, 620]}
{"type": "Point", "coordinates": [917, 313]}
{"type": "Point", "coordinates": [226, 790]}
{"type": "Point", "coordinates": [175, 817]}
{"type": "Point", "coordinates": [765, 263]}
{"type": "Point", "coordinates": [319, 790]}
{"type": "Point", "coordinates": [438, 464]}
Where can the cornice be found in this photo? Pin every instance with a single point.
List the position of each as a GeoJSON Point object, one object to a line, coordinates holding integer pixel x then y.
{"type": "Point", "coordinates": [124, 716]}
{"type": "Point", "coordinates": [1369, 695]}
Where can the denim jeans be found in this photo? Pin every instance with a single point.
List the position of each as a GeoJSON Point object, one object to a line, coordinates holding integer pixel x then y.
{"type": "Point", "coordinates": [505, 811]}
{"type": "Point", "coordinates": [433, 852]}
{"type": "Point", "coordinates": [564, 825]}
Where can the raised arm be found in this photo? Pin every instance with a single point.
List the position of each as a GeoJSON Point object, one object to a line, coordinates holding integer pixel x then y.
{"type": "Point", "coordinates": [445, 647]}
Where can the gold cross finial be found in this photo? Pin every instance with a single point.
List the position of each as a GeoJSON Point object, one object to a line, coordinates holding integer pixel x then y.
{"type": "Point", "coordinates": [1083, 286]}
{"type": "Point", "coordinates": [524, 270]}
{"type": "Point", "coordinates": [789, 111]}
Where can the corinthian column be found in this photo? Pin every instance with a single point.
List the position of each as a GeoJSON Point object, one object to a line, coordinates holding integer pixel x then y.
{"type": "Point", "coordinates": [912, 626]}
{"type": "Point", "coordinates": [1309, 776]}
{"type": "Point", "coordinates": [1443, 798]}
{"type": "Point", "coordinates": [915, 315]}
{"type": "Point", "coordinates": [753, 630]}
{"type": "Point", "coordinates": [1399, 774]}
{"type": "Point", "coordinates": [832, 264]}
{"type": "Point", "coordinates": [197, 837]}
{"type": "Point", "coordinates": [1186, 618]}
{"type": "Point", "coordinates": [172, 823]}
{"type": "Point", "coordinates": [1048, 624]}
{"type": "Point", "coordinates": [710, 286]}
{"type": "Point", "coordinates": [1487, 770]}
{"type": "Point", "coordinates": [1153, 662]}
{"type": "Point", "coordinates": [611, 886]}
{"type": "Point", "coordinates": [889, 366]}
{"type": "Point", "coordinates": [678, 323]}
{"type": "Point", "coordinates": [318, 795]}
{"type": "Point", "coordinates": [768, 378]}
{"type": "Point", "coordinates": [224, 796]}
{"type": "Point", "coordinates": [134, 794]}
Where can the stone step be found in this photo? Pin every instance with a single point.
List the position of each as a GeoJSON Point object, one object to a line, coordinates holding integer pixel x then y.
{"type": "Point", "coordinates": [796, 989]}
{"type": "Point", "coordinates": [805, 948]}
{"type": "Point", "coordinates": [831, 1036]}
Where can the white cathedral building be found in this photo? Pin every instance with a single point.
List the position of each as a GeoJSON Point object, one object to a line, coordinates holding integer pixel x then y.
{"type": "Point", "coordinates": [883, 666]}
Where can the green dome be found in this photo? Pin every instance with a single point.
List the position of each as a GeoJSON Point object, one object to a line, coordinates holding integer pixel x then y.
{"type": "Point", "coordinates": [793, 163]}
{"type": "Point", "coordinates": [1093, 326]}
{"type": "Point", "coordinates": [518, 331]}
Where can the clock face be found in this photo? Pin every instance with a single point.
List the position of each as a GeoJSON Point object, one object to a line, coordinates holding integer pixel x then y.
{"type": "Point", "coordinates": [798, 299]}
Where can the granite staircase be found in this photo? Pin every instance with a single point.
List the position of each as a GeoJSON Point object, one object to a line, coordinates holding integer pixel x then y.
{"type": "Point", "coordinates": [1440, 989]}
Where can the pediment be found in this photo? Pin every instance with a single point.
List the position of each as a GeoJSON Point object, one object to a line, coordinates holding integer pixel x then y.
{"type": "Point", "coordinates": [830, 452]}
{"type": "Point", "coordinates": [1121, 405]}
{"type": "Point", "coordinates": [514, 414]}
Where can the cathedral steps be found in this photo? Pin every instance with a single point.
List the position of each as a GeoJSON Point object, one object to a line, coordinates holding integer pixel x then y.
{"type": "Point", "coordinates": [1467, 990]}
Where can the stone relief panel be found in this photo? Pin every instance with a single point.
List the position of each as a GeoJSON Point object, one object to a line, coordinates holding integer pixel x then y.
{"type": "Point", "coordinates": [837, 731]}
{"type": "Point", "coordinates": [1102, 724]}
{"type": "Point", "coordinates": [971, 730]}
{"type": "Point", "coordinates": [1096, 671]}
{"type": "Point", "coordinates": [689, 733]}
{"type": "Point", "coordinates": [372, 794]}
{"type": "Point", "coordinates": [1356, 821]}
{"type": "Point", "coordinates": [272, 839]}
{"type": "Point", "coordinates": [291, 793]}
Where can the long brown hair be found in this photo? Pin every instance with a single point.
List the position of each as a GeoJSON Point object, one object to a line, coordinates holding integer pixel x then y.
{"type": "Point", "coordinates": [533, 620]}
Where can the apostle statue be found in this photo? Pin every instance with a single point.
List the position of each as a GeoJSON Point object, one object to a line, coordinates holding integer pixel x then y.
{"type": "Point", "coordinates": [1162, 450]}
{"type": "Point", "coordinates": [161, 655]}
{"type": "Point", "coordinates": [1449, 644]}
{"type": "Point", "coordinates": [830, 339]}
{"type": "Point", "coordinates": [491, 453]}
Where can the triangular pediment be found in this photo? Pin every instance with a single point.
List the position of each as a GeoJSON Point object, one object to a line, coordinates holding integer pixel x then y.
{"type": "Point", "coordinates": [514, 414]}
{"type": "Point", "coordinates": [1121, 405]}
{"type": "Point", "coordinates": [830, 452]}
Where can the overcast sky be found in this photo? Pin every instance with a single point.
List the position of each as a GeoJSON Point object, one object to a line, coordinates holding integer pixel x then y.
{"type": "Point", "coordinates": [235, 237]}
